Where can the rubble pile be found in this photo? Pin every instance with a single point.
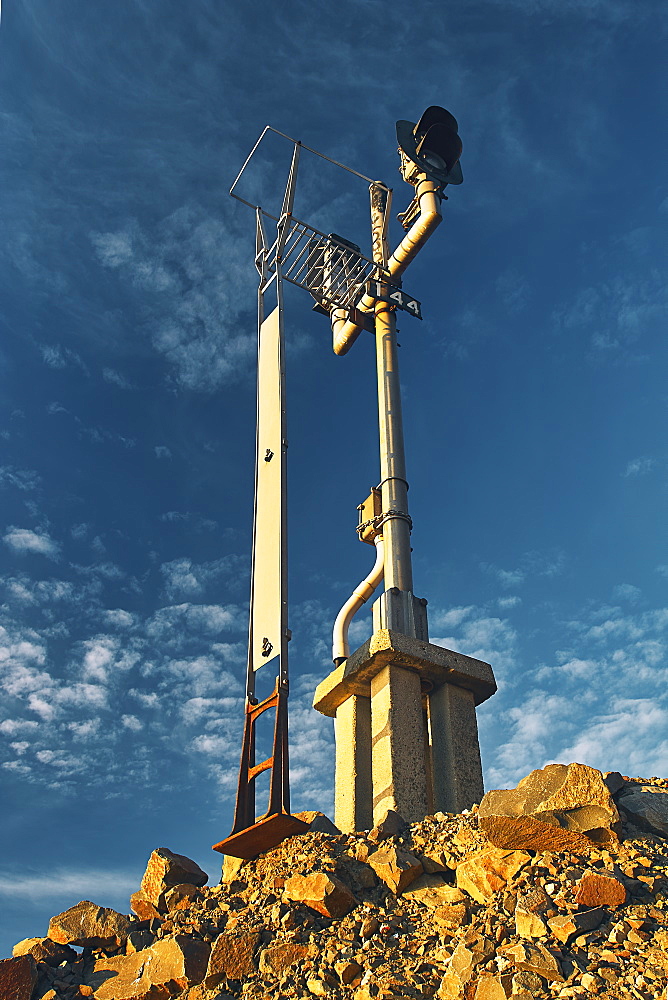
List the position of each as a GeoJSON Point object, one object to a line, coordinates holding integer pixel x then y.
{"type": "Point", "coordinates": [558, 888]}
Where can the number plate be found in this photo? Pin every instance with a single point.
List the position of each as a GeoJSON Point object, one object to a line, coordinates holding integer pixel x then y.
{"type": "Point", "coordinates": [397, 297]}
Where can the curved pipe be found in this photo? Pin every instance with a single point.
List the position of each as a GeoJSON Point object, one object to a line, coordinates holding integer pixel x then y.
{"type": "Point", "coordinates": [359, 596]}
{"type": "Point", "coordinates": [344, 330]}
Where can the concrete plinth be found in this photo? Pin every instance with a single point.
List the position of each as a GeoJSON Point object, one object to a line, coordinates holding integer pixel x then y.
{"type": "Point", "coordinates": [455, 750]}
{"type": "Point", "coordinates": [398, 764]}
{"type": "Point", "coordinates": [388, 756]}
{"type": "Point", "coordinates": [353, 789]}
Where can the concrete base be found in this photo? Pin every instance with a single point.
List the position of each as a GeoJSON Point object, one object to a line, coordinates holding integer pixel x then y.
{"type": "Point", "coordinates": [353, 793]}
{"type": "Point", "coordinates": [434, 664]}
{"type": "Point", "coordinates": [456, 769]}
{"type": "Point", "coordinates": [389, 753]}
{"type": "Point", "coordinates": [398, 763]}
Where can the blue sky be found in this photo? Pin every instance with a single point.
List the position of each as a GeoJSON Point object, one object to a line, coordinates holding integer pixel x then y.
{"type": "Point", "coordinates": [534, 399]}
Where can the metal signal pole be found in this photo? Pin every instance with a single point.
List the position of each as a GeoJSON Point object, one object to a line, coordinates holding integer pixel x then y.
{"type": "Point", "coordinates": [396, 523]}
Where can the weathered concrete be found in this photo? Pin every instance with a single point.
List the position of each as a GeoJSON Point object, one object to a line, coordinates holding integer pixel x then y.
{"type": "Point", "coordinates": [434, 664]}
{"type": "Point", "coordinates": [398, 762]}
{"type": "Point", "coordinates": [406, 731]}
{"type": "Point", "coordinates": [456, 768]}
{"type": "Point", "coordinates": [353, 795]}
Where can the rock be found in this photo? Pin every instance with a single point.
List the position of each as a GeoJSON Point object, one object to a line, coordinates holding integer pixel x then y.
{"type": "Point", "coordinates": [571, 924]}
{"type": "Point", "coordinates": [324, 893]}
{"type": "Point", "coordinates": [397, 869]}
{"type": "Point", "coordinates": [369, 927]}
{"type": "Point", "coordinates": [138, 940]}
{"type": "Point", "coordinates": [18, 977]}
{"type": "Point", "coordinates": [529, 925]}
{"type": "Point", "coordinates": [180, 897]}
{"type": "Point", "coordinates": [613, 781]}
{"type": "Point", "coordinates": [142, 906]}
{"type": "Point", "coordinates": [232, 957]}
{"type": "Point", "coordinates": [490, 988]}
{"type": "Point", "coordinates": [432, 892]}
{"type": "Point", "coordinates": [278, 959]}
{"type": "Point", "coordinates": [317, 822]}
{"type": "Point", "coordinates": [45, 950]}
{"type": "Point", "coordinates": [526, 833]}
{"type": "Point", "coordinates": [388, 826]}
{"type": "Point", "coordinates": [485, 872]}
{"type": "Point", "coordinates": [552, 809]}
{"type": "Point", "coordinates": [165, 870]}
{"type": "Point", "coordinates": [459, 971]}
{"type": "Point", "coordinates": [348, 972]}
{"type": "Point", "coordinates": [530, 911]}
{"type": "Point", "coordinates": [433, 863]}
{"type": "Point", "coordinates": [600, 889]}
{"type": "Point", "coordinates": [89, 926]}
{"type": "Point", "coordinates": [533, 958]}
{"type": "Point", "coordinates": [450, 915]}
{"type": "Point", "coordinates": [647, 807]}
{"type": "Point", "coordinates": [231, 868]}
{"type": "Point", "coordinates": [317, 987]}
{"type": "Point", "coordinates": [175, 962]}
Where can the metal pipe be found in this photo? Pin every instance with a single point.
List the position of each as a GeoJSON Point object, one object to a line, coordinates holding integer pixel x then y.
{"type": "Point", "coordinates": [345, 331]}
{"type": "Point", "coordinates": [359, 596]}
{"type": "Point", "coordinates": [394, 488]}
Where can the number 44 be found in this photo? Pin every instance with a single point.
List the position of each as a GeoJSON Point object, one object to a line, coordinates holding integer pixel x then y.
{"type": "Point", "coordinates": [405, 302]}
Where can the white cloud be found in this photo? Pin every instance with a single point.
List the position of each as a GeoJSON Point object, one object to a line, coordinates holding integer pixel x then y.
{"type": "Point", "coordinates": [196, 304]}
{"type": "Point", "coordinates": [168, 623]}
{"type": "Point", "coordinates": [132, 722]}
{"type": "Point", "coordinates": [196, 520]}
{"type": "Point", "coordinates": [69, 883]}
{"type": "Point", "coordinates": [506, 577]}
{"type": "Point", "coordinates": [186, 579]}
{"type": "Point", "coordinates": [639, 467]}
{"type": "Point", "coordinates": [23, 479]}
{"type": "Point", "coordinates": [161, 451]}
{"type": "Point", "coordinates": [24, 540]}
{"type": "Point", "coordinates": [508, 602]}
{"type": "Point", "coordinates": [13, 727]}
{"type": "Point", "coordinates": [56, 356]}
{"type": "Point", "coordinates": [115, 378]}
{"type": "Point", "coordinates": [627, 592]}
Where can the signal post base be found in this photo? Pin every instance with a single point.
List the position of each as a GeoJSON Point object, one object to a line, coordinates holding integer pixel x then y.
{"type": "Point", "coordinates": [268, 832]}
{"type": "Point", "coordinates": [406, 730]}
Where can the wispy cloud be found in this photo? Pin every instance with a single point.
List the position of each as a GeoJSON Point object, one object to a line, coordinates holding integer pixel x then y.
{"type": "Point", "coordinates": [115, 378]}
{"type": "Point", "coordinates": [187, 579]}
{"type": "Point", "coordinates": [67, 882]}
{"type": "Point", "coordinates": [24, 540]}
{"type": "Point", "coordinates": [639, 467]}
{"type": "Point", "coordinates": [180, 266]}
{"type": "Point", "coordinates": [25, 480]}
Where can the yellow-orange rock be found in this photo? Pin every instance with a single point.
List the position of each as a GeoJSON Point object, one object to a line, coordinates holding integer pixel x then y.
{"type": "Point", "coordinates": [277, 959]}
{"type": "Point", "coordinates": [89, 926]}
{"type": "Point", "coordinates": [165, 870]}
{"type": "Point", "coordinates": [169, 965]}
{"type": "Point", "coordinates": [180, 897]}
{"type": "Point", "coordinates": [551, 809]}
{"type": "Point", "coordinates": [533, 958]}
{"type": "Point", "coordinates": [486, 872]}
{"type": "Point", "coordinates": [324, 893]}
{"type": "Point", "coordinates": [44, 950]}
{"type": "Point", "coordinates": [600, 889]}
{"type": "Point", "coordinates": [232, 957]}
{"type": "Point", "coordinates": [514, 833]}
{"type": "Point", "coordinates": [142, 907]}
{"type": "Point", "coordinates": [396, 868]}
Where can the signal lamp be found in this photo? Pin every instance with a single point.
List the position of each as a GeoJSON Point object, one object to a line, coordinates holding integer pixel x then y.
{"type": "Point", "coordinates": [432, 147]}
